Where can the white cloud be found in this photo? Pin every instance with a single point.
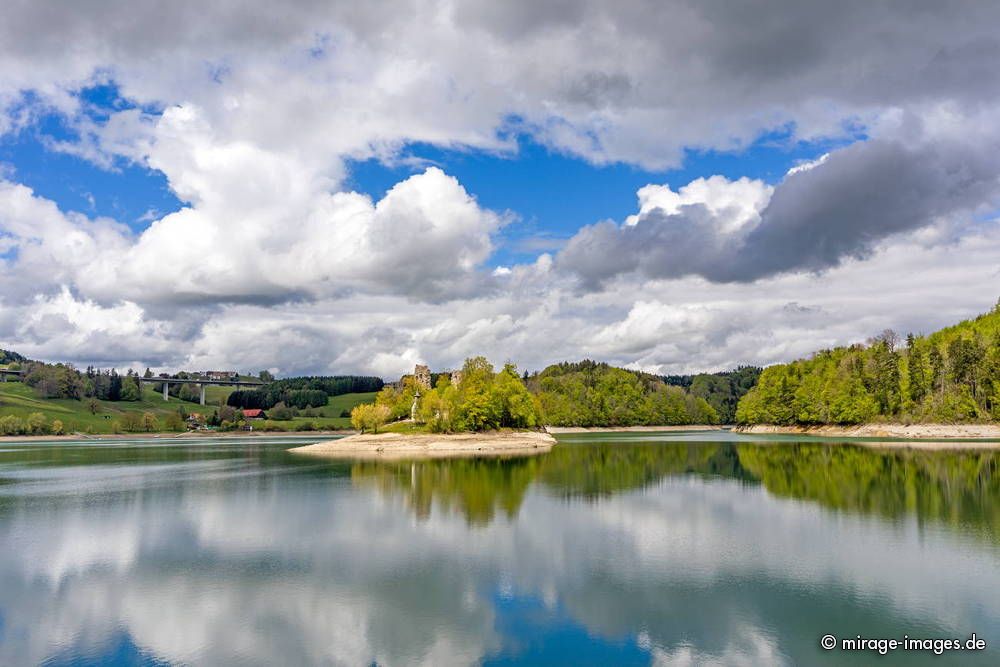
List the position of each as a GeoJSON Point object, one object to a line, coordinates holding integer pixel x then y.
{"type": "Point", "coordinates": [252, 113]}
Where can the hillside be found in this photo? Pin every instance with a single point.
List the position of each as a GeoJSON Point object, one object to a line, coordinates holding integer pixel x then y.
{"type": "Point", "coordinates": [949, 376]}
{"type": "Point", "coordinates": [19, 401]}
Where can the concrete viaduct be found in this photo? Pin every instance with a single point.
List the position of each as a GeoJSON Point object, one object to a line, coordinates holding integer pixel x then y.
{"type": "Point", "coordinates": [166, 382]}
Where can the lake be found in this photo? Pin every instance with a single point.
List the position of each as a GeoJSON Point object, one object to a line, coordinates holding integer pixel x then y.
{"type": "Point", "coordinates": [633, 549]}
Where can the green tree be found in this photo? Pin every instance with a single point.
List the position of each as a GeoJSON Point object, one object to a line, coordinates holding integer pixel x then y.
{"type": "Point", "coordinates": [130, 389]}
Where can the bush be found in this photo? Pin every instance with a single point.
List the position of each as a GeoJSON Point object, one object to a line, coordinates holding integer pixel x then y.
{"type": "Point", "coordinates": [37, 424]}
{"type": "Point", "coordinates": [57, 427]}
{"type": "Point", "coordinates": [131, 422]}
{"type": "Point", "coordinates": [345, 414]}
{"type": "Point", "coordinates": [305, 426]}
{"type": "Point", "coordinates": [11, 425]}
{"type": "Point", "coordinates": [173, 422]}
{"type": "Point", "coordinates": [281, 412]}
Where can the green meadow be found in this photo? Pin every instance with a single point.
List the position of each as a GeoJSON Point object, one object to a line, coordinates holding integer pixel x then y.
{"type": "Point", "coordinates": [19, 400]}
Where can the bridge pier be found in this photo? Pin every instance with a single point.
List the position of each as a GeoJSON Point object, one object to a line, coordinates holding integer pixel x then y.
{"type": "Point", "coordinates": [166, 394]}
{"type": "Point", "coordinates": [202, 399]}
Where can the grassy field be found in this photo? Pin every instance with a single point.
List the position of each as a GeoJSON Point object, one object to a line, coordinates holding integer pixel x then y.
{"type": "Point", "coordinates": [328, 417]}
{"type": "Point", "coordinates": [20, 400]}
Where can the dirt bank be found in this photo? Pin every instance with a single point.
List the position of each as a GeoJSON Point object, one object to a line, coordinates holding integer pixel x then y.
{"type": "Point", "coordinates": [902, 431]}
{"type": "Point", "coordinates": [629, 429]}
{"type": "Point", "coordinates": [405, 446]}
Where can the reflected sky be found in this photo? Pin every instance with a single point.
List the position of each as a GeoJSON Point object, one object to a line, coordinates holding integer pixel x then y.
{"type": "Point", "coordinates": [665, 550]}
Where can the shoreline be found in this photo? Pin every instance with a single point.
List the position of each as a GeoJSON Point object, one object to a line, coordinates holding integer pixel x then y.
{"type": "Point", "coordinates": [559, 430]}
{"type": "Point", "coordinates": [955, 432]}
{"type": "Point", "coordinates": [164, 435]}
{"type": "Point", "coordinates": [385, 446]}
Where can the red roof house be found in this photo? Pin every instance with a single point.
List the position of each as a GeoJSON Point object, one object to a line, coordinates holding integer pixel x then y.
{"type": "Point", "coordinates": [254, 413]}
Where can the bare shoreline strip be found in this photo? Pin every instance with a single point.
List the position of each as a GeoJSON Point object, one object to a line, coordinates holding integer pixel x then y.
{"type": "Point", "coordinates": [984, 432]}
{"type": "Point", "coordinates": [631, 429]}
{"type": "Point", "coordinates": [421, 445]}
{"type": "Point", "coordinates": [166, 435]}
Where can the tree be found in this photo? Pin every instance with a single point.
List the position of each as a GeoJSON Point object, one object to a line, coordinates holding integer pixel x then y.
{"type": "Point", "coordinates": [149, 422]}
{"type": "Point", "coordinates": [37, 424]}
{"type": "Point", "coordinates": [173, 422]}
{"type": "Point", "coordinates": [93, 406]}
{"type": "Point", "coordinates": [130, 389]}
{"type": "Point", "coordinates": [369, 416]}
{"type": "Point", "coordinates": [511, 401]}
{"type": "Point", "coordinates": [266, 376]}
{"type": "Point", "coordinates": [281, 412]}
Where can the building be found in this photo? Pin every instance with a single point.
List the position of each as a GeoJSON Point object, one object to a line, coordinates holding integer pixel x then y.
{"type": "Point", "coordinates": [254, 413]}
{"type": "Point", "coordinates": [222, 376]}
{"type": "Point", "coordinates": [423, 376]}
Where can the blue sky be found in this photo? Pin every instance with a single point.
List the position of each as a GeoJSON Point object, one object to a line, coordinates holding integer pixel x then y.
{"type": "Point", "coordinates": [551, 193]}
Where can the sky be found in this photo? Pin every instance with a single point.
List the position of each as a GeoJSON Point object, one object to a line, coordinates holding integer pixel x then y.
{"type": "Point", "coordinates": [332, 187]}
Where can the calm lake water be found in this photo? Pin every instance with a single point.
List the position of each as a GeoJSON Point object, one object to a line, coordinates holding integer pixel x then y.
{"type": "Point", "coordinates": [687, 548]}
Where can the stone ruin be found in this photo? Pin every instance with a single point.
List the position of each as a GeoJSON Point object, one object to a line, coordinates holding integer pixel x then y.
{"type": "Point", "coordinates": [423, 376]}
{"type": "Point", "coordinates": [424, 379]}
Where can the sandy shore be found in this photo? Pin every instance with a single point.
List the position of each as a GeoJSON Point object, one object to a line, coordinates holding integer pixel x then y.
{"type": "Point", "coordinates": [629, 429]}
{"type": "Point", "coordinates": [903, 431]}
{"type": "Point", "coordinates": [406, 446]}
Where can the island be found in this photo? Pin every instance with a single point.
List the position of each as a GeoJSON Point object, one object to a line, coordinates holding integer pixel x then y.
{"type": "Point", "coordinates": [391, 446]}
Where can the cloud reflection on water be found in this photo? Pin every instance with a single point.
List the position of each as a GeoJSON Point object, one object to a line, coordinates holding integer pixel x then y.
{"type": "Point", "coordinates": [314, 565]}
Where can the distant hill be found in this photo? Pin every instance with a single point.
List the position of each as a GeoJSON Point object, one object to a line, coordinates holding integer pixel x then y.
{"type": "Point", "coordinates": [8, 357]}
{"type": "Point", "coordinates": [590, 393]}
{"type": "Point", "coordinates": [723, 391]}
{"type": "Point", "coordinates": [949, 376]}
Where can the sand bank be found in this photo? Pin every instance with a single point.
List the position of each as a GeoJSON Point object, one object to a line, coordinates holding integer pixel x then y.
{"type": "Point", "coordinates": [629, 429]}
{"type": "Point", "coordinates": [903, 431]}
{"type": "Point", "coordinates": [429, 445]}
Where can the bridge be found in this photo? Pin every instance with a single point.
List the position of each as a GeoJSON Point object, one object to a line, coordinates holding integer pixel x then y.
{"type": "Point", "coordinates": [166, 382]}
{"type": "Point", "coordinates": [201, 382]}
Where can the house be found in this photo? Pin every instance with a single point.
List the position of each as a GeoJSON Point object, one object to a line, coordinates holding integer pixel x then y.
{"type": "Point", "coordinates": [221, 376]}
{"type": "Point", "coordinates": [254, 413]}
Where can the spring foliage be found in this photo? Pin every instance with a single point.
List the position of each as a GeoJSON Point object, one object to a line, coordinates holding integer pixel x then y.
{"type": "Point", "coordinates": [579, 394]}
{"type": "Point", "coordinates": [952, 375]}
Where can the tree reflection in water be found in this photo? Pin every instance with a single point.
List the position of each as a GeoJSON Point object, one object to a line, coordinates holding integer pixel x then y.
{"type": "Point", "coordinates": [958, 488]}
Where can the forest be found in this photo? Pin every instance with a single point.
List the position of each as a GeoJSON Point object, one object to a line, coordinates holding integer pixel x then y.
{"type": "Point", "coordinates": [589, 393]}
{"type": "Point", "coordinates": [8, 357]}
{"type": "Point", "coordinates": [949, 376]}
{"type": "Point", "coordinates": [585, 393]}
{"type": "Point", "coordinates": [723, 391]}
{"type": "Point", "coordinates": [303, 392]}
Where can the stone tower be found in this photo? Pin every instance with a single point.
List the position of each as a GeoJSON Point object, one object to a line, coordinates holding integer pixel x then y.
{"type": "Point", "coordinates": [423, 376]}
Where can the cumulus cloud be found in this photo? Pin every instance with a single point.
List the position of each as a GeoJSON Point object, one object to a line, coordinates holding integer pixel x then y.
{"type": "Point", "coordinates": [254, 114]}
{"type": "Point", "coordinates": [837, 207]}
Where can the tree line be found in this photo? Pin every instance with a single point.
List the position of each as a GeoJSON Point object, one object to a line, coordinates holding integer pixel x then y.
{"type": "Point", "coordinates": [585, 393]}
{"type": "Point", "coordinates": [590, 393]}
{"type": "Point", "coordinates": [723, 391]}
{"type": "Point", "coordinates": [483, 400]}
{"type": "Point", "coordinates": [64, 381]}
{"type": "Point", "coordinates": [8, 357]}
{"type": "Point", "coordinates": [952, 375]}
{"type": "Point", "coordinates": [304, 392]}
